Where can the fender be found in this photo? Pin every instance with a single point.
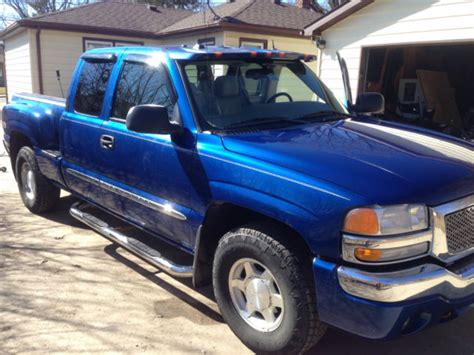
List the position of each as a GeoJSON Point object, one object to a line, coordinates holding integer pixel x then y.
{"type": "Point", "coordinates": [36, 120]}
{"type": "Point", "coordinates": [295, 217]}
{"type": "Point", "coordinates": [27, 128]}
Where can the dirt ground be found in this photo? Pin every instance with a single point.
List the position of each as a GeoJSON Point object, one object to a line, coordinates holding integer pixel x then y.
{"type": "Point", "coordinates": [65, 289]}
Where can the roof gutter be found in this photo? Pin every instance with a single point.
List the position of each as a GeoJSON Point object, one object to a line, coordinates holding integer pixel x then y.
{"type": "Point", "coordinates": [223, 25]}
{"type": "Point", "coordinates": [229, 26]}
{"type": "Point", "coordinates": [27, 23]}
{"type": "Point", "coordinates": [9, 30]}
{"type": "Point", "coordinates": [334, 16]}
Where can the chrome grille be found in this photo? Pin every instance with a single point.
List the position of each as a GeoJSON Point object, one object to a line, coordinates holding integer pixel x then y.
{"type": "Point", "coordinates": [460, 230]}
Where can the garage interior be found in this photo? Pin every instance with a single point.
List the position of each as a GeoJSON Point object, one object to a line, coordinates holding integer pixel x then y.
{"type": "Point", "coordinates": [426, 85]}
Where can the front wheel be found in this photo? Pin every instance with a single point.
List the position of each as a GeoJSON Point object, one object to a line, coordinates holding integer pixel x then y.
{"type": "Point", "coordinates": [264, 291]}
{"type": "Point", "coordinates": [37, 193]}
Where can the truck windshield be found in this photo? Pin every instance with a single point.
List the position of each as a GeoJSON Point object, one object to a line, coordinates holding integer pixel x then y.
{"type": "Point", "coordinates": [231, 94]}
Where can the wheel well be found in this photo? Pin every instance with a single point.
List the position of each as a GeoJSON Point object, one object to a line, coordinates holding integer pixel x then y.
{"type": "Point", "coordinates": [17, 141]}
{"type": "Point", "coordinates": [222, 218]}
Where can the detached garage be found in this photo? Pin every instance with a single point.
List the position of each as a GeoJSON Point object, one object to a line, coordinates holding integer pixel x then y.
{"type": "Point", "coordinates": [418, 54]}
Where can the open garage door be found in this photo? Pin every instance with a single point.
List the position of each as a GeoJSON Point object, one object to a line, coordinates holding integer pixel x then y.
{"type": "Point", "coordinates": [425, 85]}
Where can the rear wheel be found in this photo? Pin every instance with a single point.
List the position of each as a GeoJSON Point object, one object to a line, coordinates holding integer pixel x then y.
{"type": "Point", "coordinates": [265, 292]}
{"type": "Point", "coordinates": [37, 193]}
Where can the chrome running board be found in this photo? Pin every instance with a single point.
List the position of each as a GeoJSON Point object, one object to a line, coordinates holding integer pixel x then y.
{"type": "Point", "coordinates": [133, 245]}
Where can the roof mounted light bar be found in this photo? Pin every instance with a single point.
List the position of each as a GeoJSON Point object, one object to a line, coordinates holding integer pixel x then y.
{"type": "Point", "coordinates": [200, 52]}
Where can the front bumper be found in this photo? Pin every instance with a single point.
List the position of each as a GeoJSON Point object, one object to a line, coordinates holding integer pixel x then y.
{"type": "Point", "coordinates": [387, 305]}
{"type": "Point", "coordinates": [416, 282]}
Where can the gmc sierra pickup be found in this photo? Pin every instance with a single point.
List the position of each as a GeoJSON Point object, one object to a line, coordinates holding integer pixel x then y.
{"type": "Point", "coordinates": [302, 213]}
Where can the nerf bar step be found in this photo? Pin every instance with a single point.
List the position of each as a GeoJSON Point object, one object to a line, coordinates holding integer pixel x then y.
{"type": "Point", "coordinates": [140, 249]}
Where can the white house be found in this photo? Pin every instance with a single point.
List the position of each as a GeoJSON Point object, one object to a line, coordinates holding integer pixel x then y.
{"type": "Point", "coordinates": [36, 48]}
{"type": "Point", "coordinates": [418, 53]}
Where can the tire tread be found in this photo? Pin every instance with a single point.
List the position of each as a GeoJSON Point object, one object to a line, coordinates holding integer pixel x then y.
{"type": "Point", "coordinates": [291, 260]}
{"type": "Point", "coordinates": [47, 195]}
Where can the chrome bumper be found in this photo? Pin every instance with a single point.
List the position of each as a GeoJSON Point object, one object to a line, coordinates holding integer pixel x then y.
{"type": "Point", "coordinates": [420, 281]}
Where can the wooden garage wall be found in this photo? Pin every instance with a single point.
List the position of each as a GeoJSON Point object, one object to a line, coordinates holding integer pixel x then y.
{"type": "Point", "coordinates": [393, 22]}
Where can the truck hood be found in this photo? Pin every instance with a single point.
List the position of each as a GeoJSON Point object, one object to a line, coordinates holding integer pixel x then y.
{"type": "Point", "coordinates": [383, 162]}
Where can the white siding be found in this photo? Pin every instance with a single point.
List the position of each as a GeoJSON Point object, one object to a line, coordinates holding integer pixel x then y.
{"type": "Point", "coordinates": [18, 63]}
{"type": "Point", "coordinates": [393, 22]}
{"type": "Point", "coordinates": [60, 50]}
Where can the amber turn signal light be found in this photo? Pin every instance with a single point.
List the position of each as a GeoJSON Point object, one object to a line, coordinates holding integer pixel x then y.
{"type": "Point", "coordinates": [362, 221]}
{"type": "Point", "coordinates": [366, 254]}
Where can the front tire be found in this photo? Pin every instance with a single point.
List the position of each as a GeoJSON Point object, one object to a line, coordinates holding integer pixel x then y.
{"type": "Point", "coordinates": [265, 291]}
{"type": "Point", "coordinates": [37, 193]}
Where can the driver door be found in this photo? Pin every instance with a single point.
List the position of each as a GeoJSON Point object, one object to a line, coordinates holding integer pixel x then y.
{"type": "Point", "coordinates": [149, 172]}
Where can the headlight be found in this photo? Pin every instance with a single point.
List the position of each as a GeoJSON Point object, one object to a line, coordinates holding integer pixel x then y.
{"type": "Point", "coordinates": [386, 220]}
{"type": "Point", "coordinates": [369, 234]}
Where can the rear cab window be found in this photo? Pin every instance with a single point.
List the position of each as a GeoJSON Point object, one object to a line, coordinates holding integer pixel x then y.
{"type": "Point", "coordinates": [140, 83]}
{"type": "Point", "coordinates": [92, 85]}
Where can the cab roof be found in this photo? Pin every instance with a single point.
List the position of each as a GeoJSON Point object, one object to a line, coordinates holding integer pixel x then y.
{"type": "Point", "coordinates": [201, 52]}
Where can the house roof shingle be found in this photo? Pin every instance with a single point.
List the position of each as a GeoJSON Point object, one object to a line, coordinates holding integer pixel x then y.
{"type": "Point", "coordinates": [251, 12]}
{"type": "Point", "coordinates": [112, 15]}
{"type": "Point", "coordinates": [139, 20]}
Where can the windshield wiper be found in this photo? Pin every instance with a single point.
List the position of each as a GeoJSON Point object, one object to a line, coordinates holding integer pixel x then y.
{"type": "Point", "coordinates": [325, 116]}
{"type": "Point", "coordinates": [264, 121]}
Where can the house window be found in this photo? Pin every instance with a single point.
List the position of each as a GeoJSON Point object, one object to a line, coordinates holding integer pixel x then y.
{"type": "Point", "coordinates": [253, 43]}
{"type": "Point", "coordinates": [139, 84]}
{"type": "Point", "coordinates": [91, 43]}
{"type": "Point", "coordinates": [210, 41]}
{"type": "Point", "coordinates": [127, 44]}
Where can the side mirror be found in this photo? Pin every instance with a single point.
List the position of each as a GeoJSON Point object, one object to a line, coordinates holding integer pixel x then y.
{"type": "Point", "coordinates": [369, 102]}
{"type": "Point", "coordinates": [150, 119]}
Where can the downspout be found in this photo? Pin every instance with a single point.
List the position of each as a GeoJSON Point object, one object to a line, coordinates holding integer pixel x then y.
{"type": "Point", "coordinates": [5, 76]}
{"type": "Point", "coordinates": [38, 58]}
{"type": "Point", "coordinates": [320, 61]}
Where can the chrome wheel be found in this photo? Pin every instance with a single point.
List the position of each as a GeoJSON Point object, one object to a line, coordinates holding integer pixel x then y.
{"type": "Point", "coordinates": [28, 182]}
{"type": "Point", "coordinates": [256, 295]}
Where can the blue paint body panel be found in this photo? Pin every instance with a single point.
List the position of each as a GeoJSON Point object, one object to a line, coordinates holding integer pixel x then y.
{"type": "Point", "coordinates": [305, 176]}
{"type": "Point", "coordinates": [376, 320]}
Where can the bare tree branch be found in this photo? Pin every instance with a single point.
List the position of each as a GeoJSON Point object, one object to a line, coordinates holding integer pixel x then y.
{"type": "Point", "coordinates": [18, 9]}
{"type": "Point", "coordinates": [323, 6]}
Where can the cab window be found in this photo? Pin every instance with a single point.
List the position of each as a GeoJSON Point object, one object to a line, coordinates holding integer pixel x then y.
{"type": "Point", "coordinates": [92, 85]}
{"type": "Point", "coordinates": [141, 83]}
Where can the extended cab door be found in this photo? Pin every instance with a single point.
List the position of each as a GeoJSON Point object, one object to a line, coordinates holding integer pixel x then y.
{"type": "Point", "coordinates": [81, 136]}
{"type": "Point", "coordinates": [152, 174]}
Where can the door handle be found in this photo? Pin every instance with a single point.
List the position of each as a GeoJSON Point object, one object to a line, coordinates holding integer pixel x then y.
{"type": "Point", "coordinates": [107, 142]}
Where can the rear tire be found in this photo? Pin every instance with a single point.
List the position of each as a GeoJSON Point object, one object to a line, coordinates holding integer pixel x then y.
{"type": "Point", "coordinates": [265, 291]}
{"type": "Point", "coordinates": [37, 193]}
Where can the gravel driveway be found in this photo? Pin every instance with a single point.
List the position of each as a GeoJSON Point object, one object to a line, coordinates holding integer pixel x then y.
{"type": "Point", "coordinates": [63, 288]}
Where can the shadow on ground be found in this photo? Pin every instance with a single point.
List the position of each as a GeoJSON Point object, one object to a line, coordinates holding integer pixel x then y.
{"type": "Point", "coordinates": [63, 286]}
{"type": "Point", "coordinates": [183, 297]}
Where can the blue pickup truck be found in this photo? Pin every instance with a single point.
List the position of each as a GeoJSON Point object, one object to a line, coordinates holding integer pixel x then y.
{"type": "Point", "coordinates": [300, 212]}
